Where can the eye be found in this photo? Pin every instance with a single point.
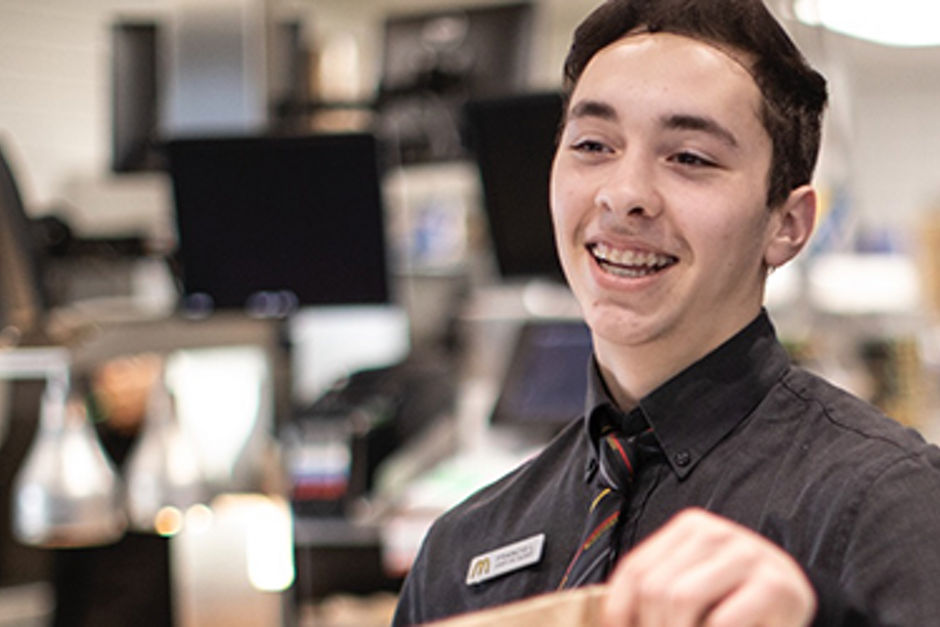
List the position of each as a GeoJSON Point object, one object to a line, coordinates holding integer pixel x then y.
{"type": "Point", "coordinates": [590, 146]}
{"type": "Point", "coordinates": [692, 159]}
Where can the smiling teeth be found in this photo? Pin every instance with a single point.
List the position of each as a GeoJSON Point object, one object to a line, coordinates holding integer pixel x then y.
{"type": "Point", "coordinates": [631, 258]}
{"type": "Point", "coordinates": [630, 263]}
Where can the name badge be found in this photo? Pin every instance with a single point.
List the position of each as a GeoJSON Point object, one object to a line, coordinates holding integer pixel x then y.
{"type": "Point", "coordinates": [505, 559]}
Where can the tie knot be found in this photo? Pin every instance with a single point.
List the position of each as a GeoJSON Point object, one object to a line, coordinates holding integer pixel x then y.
{"type": "Point", "coordinates": [619, 457]}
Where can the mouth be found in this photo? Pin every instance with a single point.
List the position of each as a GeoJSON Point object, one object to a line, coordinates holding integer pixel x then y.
{"type": "Point", "coordinates": [629, 263]}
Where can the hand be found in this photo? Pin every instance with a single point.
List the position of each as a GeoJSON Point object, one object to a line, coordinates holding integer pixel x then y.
{"type": "Point", "coordinates": [703, 570]}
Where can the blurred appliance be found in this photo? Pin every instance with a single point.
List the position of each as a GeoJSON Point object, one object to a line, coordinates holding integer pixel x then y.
{"type": "Point", "coordinates": [21, 297]}
{"type": "Point", "coordinates": [334, 446]}
{"type": "Point", "coordinates": [134, 93]}
{"type": "Point", "coordinates": [216, 67]}
{"type": "Point", "coordinates": [334, 449]}
{"type": "Point", "coordinates": [269, 224]}
{"type": "Point", "coordinates": [206, 67]}
{"type": "Point", "coordinates": [434, 61]}
{"type": "Point", "coordinates": [67, 492]}
{"type": "Point", "coordinates": [513, 141]}
{"type": "Point", "coordinates": [232, 564]}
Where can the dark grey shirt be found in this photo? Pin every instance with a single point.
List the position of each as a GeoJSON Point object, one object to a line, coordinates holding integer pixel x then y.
{"type": "Point", "coordinates": [851, 494]}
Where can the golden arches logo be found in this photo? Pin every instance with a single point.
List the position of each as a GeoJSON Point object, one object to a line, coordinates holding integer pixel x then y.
{"type": "Point", "coordinates": [480, 568]}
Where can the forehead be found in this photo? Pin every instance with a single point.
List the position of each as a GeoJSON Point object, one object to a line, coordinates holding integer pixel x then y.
{"type": "Point", "coordinates": [674, 70]}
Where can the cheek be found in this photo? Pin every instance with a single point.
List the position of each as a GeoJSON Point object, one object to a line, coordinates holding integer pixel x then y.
{"type": "Point", "coordinates": [570, 190]}
{"type": "Point", "coordinates": [563, 202]}
{"type": "Point", "coordinates": [730, 239]}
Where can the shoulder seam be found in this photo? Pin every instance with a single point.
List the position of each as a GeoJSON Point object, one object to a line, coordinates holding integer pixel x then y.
{"type": "Point", "coordinates": [784, 381]}
{"type": "Point", "coordinates": [901, 455]}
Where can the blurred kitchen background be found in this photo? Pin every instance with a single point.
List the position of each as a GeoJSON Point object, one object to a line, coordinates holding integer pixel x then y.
{"type": "Point", "coordinates": [277, 284]}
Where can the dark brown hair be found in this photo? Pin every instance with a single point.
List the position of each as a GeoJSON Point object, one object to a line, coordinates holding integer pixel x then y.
{"type": "Point", "coordinates": [794, 94]}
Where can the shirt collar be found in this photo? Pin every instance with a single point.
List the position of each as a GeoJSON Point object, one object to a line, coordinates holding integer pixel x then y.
{"type": "Point", "coordinates": [699, 406]}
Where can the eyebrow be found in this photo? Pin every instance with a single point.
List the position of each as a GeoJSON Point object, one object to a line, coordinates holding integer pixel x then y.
{"type": "Point", "coordinates": [675, 121]}
{"type": "Point", "coordinates": [593, 109]}
{"type": "Point", "coordinates": [687, 122]}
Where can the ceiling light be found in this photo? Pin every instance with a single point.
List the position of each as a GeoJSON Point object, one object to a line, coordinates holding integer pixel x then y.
{"type": "Point", "coordinates": [898, 23]}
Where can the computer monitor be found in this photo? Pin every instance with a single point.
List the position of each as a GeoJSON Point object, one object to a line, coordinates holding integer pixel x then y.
{"type": "Point", "coordinates": [546, 379]}
{"type": "Point", "coordinates": [513, 140]}
{"type": "Point", "coordinates": [268, 224]}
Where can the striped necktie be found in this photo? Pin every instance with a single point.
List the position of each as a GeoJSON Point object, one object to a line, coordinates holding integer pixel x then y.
{"type": "Point", "coordinates": [618, 456]}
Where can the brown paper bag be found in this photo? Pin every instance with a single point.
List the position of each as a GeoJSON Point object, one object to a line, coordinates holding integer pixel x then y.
{"type": "Point", "coordinates": [580, 607]}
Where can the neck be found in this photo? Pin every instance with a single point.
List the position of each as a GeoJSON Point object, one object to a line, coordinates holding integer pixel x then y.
{"type": "Point", "coordinates": [632, 372]}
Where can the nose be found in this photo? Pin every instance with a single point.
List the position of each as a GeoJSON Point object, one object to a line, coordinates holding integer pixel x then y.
{"type": "Point", "coordinates": [630, 188]}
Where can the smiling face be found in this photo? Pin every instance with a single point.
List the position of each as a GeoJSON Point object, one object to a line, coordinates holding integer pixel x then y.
{"type": "Point", "coordinates": [658, 197]}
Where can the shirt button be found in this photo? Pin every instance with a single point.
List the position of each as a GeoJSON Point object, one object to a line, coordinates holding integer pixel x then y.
{"type": "Point", "coordinates": [682, 458]}
{"type": "Point", "coordinates": [590, 469]}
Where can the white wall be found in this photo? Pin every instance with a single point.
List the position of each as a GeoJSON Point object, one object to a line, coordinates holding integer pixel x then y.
{"type": "Point", "coordinates": [897, 176]}
{"type": "Point", "coordinates": [53, 77]}
{"type": "Point", "coordinates": [883, 127]}
{"type": "Point", "coordinates": [55, 111]}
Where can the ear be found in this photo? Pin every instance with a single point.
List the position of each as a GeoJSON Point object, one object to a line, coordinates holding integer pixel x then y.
{"type": "Point", "coordinates": [791, 226]}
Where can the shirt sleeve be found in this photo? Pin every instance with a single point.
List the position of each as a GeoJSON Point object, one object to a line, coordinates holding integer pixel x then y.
{"type": "Point", "coordinates": [834, 608]}
{"type": "Point", "coordinates": [409, 610]}
{"type": "Point", "coordinates": [892, 554]}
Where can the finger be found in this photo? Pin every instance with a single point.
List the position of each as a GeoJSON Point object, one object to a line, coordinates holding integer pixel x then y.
{"type": "Point", "coordinates": [681, 595]}
{"type": "Point", "coordinates": [765, 604]}
{"type": "Point", "coordinates": [670, 537]}
{"type": "Point", "coordinates": [681, 574]}
{"type": "Point", "coordinates": [644, 580]}
{"type": "Point", "coordinates": [619, 605]}
{"type": "Point", "coordinates": [681, 592]}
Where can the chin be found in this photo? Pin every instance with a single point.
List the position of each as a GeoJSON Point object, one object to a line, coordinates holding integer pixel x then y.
{"type": "Point", "coordinates": [624, 328]}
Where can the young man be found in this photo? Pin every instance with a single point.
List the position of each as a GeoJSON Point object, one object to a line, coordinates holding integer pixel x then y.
{"type": "Point", "coordinates": [756, 493]}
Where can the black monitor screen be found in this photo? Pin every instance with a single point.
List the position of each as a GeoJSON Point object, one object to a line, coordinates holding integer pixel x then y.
{"type": "Point", "coordinates": [262, 218]}
{"type": "Point", "coordinates": [546, 381]}
{"type": "Point", "coordinates": [513, 140]}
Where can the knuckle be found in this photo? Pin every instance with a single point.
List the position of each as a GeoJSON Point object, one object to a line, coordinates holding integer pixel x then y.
{"type": "Point", "coordinates": [748, 553]}
{"type": "Point", "coordinates": [788, 588]}
{"type": "Point", "coordinates": [683, 594]}
{"type": "Point", "coordinates": [653, 590]}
